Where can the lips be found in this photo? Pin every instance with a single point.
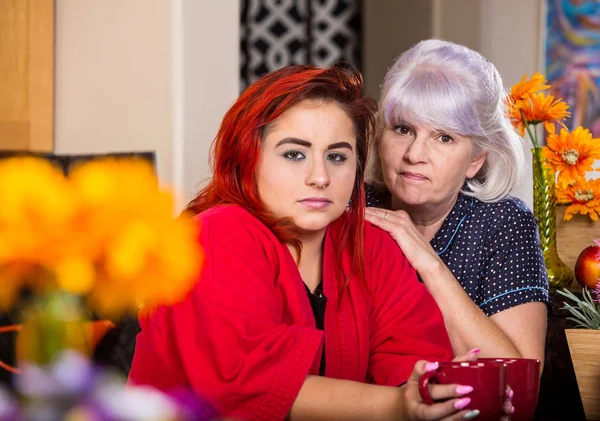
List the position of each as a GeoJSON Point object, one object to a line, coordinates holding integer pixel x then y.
{"type": "Point", "coordinates": [316, 202]}
{"type": "Point", "coordinates": [413, 176]}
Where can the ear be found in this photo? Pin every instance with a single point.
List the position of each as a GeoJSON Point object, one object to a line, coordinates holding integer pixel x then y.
{"type": "Point", "coordinates": [476, 164]}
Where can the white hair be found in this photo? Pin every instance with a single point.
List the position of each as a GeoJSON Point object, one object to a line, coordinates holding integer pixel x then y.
{"type": "Point", "coordinates": [450, 87]}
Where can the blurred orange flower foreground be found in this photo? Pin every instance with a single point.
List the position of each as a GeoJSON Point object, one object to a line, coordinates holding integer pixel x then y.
{"type": "Point", "coordinates": [107, 233]}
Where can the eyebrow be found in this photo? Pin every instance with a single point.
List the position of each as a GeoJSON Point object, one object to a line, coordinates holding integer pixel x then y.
{"type": "Point", "coordinates": [307, 144]}
{"type": "Point", "coordinates": [340, 145]}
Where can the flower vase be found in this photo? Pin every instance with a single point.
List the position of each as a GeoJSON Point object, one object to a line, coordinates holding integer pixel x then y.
{"type": "Point", "coordinates": [544, 209]}
{"type": "Point", "coordinates": [53, 323]}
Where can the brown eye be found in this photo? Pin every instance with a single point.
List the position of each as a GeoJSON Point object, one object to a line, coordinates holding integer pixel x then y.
{"type": "Point", "coordinates": [402, 129]}
{"type": "Point", "coordinates": [293, 155]}
{"type": "Point", "coordinates": [337, 158]}
{"type": "Point", "coordinates": [444, 138]}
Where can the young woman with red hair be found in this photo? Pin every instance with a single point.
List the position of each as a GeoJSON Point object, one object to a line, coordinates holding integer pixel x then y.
{"type": "Point", "coordinates": [303, 310]}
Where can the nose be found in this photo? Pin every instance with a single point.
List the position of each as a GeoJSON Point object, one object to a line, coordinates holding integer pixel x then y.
{"type": "Point", "coordinates": [318, 176]}
{"type": "Point", "coordinates": [417, 150]}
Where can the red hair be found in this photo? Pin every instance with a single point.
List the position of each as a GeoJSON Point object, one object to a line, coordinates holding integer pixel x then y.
{"type": "Point", "coordinates": [236, 149]}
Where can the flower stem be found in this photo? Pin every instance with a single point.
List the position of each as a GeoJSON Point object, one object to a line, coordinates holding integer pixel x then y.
{"type": "Point", "coordinates": [527, 126]}
{"type": "Point", "coordinates": [536, 151]}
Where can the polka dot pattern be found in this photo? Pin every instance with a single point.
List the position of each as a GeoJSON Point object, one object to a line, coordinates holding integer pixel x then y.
{"type": "Point", "coordinates": [493, 250]}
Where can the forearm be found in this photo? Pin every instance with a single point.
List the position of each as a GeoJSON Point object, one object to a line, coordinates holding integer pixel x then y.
{"type": "Point", "coordinates": [324, 399]}
{"type": "Point", "coordinates": [468, 326]}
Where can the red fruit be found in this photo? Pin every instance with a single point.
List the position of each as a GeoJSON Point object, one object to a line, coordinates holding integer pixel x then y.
{"type": "Point", "coordinates": [587, 268]}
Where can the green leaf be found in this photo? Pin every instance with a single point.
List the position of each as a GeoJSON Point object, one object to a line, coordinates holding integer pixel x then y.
{"type": "Point", "coordinates": [585, 312]}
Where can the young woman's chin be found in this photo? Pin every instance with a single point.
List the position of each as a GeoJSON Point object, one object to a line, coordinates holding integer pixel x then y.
{"type": "Point", "coordinates": [316, 222]}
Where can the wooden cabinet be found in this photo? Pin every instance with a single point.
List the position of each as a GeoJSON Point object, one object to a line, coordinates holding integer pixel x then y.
{"type": "Point", "coordinates": [26, 75]}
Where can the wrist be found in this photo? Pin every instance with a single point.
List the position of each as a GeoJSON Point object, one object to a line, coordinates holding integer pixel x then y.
{"type": "Point", "coordinates": [400, 410]}
{"type": "Point", "coordinates": [433, 271]}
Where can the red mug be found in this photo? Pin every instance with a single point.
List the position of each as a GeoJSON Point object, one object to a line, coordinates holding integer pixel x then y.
{"type": "Point", "coordinates": [488, 381]}
{"type": "Point", "coordinates": [523, 377]}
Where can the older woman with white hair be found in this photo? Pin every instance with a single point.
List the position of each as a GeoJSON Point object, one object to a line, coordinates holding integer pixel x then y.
{"type": "Point", "coordinates": [444, 162]}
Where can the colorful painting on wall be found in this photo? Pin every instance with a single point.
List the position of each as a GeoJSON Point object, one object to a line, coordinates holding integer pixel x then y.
{"type": "Point", "coordinates": [572, 57]}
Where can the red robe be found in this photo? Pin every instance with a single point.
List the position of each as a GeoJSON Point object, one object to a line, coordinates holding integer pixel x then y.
{"type": "Point", "coordinates": [245, 337]}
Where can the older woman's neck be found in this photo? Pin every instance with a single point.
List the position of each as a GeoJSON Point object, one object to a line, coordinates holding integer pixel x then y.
{"type": "Point", "coordinates": [428, 218]}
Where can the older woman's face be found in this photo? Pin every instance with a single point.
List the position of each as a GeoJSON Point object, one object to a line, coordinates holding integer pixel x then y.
{"type": "Point", "coordinates": [423, 166]}
{"type": "Point", "coordinates": [308, 164]}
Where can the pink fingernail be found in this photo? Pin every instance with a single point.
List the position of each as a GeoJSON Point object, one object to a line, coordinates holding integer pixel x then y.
{"type": "Point", "coordinates": [431, 367]}
{"type": "Point", "coordinates": [463, 390]}
{"type": "Point", "coordinates": [474, 351]}
{"type": "Point", "coordinates": [511, 393]}
{"type": "Point", "coordinates": [512, 410]}
{"type": "Point", "coordinates": [462, 403]}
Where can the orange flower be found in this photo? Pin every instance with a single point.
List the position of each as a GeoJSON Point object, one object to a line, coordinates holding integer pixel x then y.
{"type": "Point", "coordinates": [584, 197]}
{"type": "Point", "coordinates": [538, 108]}
{"type": "Point", "coordinates": [525, 89]}
{"type": "Point", "coordinates": [571, 154]}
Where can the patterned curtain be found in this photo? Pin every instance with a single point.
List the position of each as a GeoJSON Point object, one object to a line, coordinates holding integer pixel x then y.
{"type": "Point", "coordinates": [278, 33]}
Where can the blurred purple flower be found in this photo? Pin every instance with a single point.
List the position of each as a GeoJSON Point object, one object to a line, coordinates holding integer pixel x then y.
{"type": "Point", "coordinates": [9, 410]}
{"type": "Point", "coordinates": [72, 389]}
{"type": "Point", "coordinates": [596, 292]}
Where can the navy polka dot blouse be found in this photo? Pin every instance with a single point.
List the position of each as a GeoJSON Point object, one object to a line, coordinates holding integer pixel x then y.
{"type": "Point", "coordinates": [493, 250]}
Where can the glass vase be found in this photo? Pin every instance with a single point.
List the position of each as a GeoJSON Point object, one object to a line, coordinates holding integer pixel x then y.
{"type": "Point", "coordinates": [544, 209]}
{"type": "Point", "coordinates": [52, 323]}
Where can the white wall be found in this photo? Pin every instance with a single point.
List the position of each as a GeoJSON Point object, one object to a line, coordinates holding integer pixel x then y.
{"type": "Point", "coordinates": [211, 79]}
{"type": "Point", "coordinates": [458, 21]}
{"type": "Point", "coordinates": [137, 75]}
{"type": "Point", "coordinates": [511, 38]}
{"type": "Point", "coordinates": [113, 78]}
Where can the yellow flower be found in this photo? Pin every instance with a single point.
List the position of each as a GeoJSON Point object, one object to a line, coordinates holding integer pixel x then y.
{"type": "Point", "coordinates": [37, 210]}
{"type": "Point", "coordinates": [75, 275]}
{"type": "Point", "coordinates": [538, 108]}
{"type": "Point", "coordinates": [584, 198]}
{"type": "Point", "coordinates": [142, 254]}
{"type": "Point", "coordinates": [36, 206]}
{"type": "Point", "coordinates": [571, 154]}
{"type": "Point", "coordinates": [108, 233]}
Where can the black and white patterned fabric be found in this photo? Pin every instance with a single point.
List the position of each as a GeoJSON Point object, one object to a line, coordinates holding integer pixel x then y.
{"type": "Point", "coordinates": [279, 33]}
{"type": "Point", "coordinates": [492, 249]}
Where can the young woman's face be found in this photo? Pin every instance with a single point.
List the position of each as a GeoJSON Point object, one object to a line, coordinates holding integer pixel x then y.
{"type": "Point", "coordinates": [308, 164]}
{"type": "Point", "coordinates": [425, 167]}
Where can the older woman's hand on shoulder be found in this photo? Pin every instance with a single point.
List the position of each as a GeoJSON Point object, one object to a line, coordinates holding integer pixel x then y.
{"type": "Point", "coordinates": [415, 247]}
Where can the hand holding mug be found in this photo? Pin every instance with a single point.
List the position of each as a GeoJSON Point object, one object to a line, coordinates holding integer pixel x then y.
{"type": "Point", "coordinates": [487, 380]}
{"type": "Point", "coordinates": [450, 400]}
